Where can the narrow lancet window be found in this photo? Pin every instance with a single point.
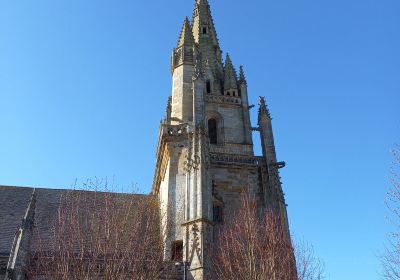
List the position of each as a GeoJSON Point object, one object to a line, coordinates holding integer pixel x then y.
{"type": "Point", "coordinates": [218, 214]}
{"type": "Point", "coordinates": [212, 131]}
{"type": "Point", "coordinates": [208, 87]}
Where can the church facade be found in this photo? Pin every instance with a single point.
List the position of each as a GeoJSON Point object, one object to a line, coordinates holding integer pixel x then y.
{"type": "Point", "coordinates": [205, 155]}
{"type": "Point", "coordinates": [205, 161]}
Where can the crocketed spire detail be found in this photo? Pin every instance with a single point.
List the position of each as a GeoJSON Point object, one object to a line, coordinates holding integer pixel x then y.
{"type": "Point", "coordinates": [186, 37]}
{"type": "Point", "coordinates": [242, 77]}
{"type": "Point", "coordinates": [205, 37]}
{"type": "Point", "coordinates": [263, 110]}
{"type": "Point", "coordinates": [203, 23]}
{"type": "Point", "coordinates": [230, 81]}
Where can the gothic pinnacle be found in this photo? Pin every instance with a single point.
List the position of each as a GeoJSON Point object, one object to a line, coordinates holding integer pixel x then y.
{"type": "Point", "coordinates": [230, 81]}
{"type": "Point", "coordinates": [263, 110]}
{"type": "Point", "coordinates": [168, 111]}
{"type": "Point", "coordinates": [242, 77]}
{"type": "Point", "coordinates": [186, 36]}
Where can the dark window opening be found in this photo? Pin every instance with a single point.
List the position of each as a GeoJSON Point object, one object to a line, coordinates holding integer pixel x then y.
{"type": "Point", "coordinates": [212, 131]}
{"type": "Point", "coordinates": [177, 251]}
{"type": "Point", "coordinates": [228, 93]}
{"type": "Point", "coordinates": [208, 87]}
{"type": "Point", "coordinates": [204, 30]}
{"type": "Point", "coordinates": [233, 93]}
{"type": "Point", "coordinates": [218, 215]}
{"type": "Point", "coordinates": [213, 187]}
{"type": "Point", "coordinates": [239, 93]}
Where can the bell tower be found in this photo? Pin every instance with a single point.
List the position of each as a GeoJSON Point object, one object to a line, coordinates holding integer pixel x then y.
{"type": "Point", "coordinates": [205, 157]}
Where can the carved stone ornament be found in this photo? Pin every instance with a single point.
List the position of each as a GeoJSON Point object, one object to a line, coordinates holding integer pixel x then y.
{"type": "Point", "coordinates": [195, 248]}
{"type": "Point", "coordinates": [196, 162]}
{"type": "Point", "coordinates": [206, 153]}
{"type": "Point", "coordinates": [188, 164]}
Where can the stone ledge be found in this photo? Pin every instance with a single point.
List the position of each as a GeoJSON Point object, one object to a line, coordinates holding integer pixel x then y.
{"type": "Point", "coordinates": [224, 99]}
{"type": "Point", "coordinates": [236, 159]}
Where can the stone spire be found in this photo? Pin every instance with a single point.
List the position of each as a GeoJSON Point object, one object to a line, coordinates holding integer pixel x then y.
{"type": "Point", "coordinates": [185, 49]}
{"type": "Point", "coordinates": [230, 79]}
{"type": "Point", "coordinates": [186, 37]}
{"type": "Point", "coordinates": [203, 23]}
{"type": "Point", "coordinates": [242, 84]}
{"type": "Point", "coordinates": [205, 37]}
{"type": "Point", "coordinates": [263, 110]}
{"type": "Point", "coordinates": [242, 77]}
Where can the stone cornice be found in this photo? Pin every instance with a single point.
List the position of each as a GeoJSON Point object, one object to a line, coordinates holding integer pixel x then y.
{"type": "Point", "coordinates": [236, 159]}
{"type": "Point", "coordinates": [222, 99]}
{"type": "Point", "coordinates": [199, 220]}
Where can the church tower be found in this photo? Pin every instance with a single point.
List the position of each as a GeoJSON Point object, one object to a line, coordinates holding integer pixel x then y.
{"type": "Point", "coordinates": [205, 157]}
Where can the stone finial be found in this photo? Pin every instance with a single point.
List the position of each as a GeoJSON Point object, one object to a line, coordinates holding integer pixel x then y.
{"type": "Point", "coordinates": [263, 110]}
{"type": "Point", "coordinates": [230, 80]}
{"type": "Point", "coordinates": [168, 110]}
{"type": "Point", "coordinates": [186, 37]}
{"type": "Point", "coordinates": [242, 77]}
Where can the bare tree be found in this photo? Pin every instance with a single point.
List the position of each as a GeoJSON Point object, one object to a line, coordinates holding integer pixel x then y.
{"type": "Point", "coordinates": [257, 247]}
{"type": "Point", "coordinates": [309, 267]}
{"type": "Point", "coordinates": [101, 235]}
{"type": "Point", "coordinates": [391, 258]}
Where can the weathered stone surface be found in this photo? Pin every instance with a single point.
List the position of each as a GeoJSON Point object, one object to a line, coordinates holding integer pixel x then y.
{"type": "Point", "coordinates": [211, 163]}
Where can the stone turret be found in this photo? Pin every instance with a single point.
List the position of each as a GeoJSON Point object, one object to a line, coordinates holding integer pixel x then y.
{"type": "Point", "coordinates": [184, 51]}
{"type": "Point", "coordinates": [183, 58]}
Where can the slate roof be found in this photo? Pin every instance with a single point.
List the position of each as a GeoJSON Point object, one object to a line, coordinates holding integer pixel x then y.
{"type": "Point", "coordinates": [13, 205]}
{"type": "Point", "coordinates": [46, 209]}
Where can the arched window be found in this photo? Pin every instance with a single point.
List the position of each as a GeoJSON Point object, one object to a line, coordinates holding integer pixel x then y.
{"type": "Point", "coordinates": [213, 131]}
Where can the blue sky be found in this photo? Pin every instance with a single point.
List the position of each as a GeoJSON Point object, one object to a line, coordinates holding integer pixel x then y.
{"type": "Point", "coordinates": [83, 86]}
